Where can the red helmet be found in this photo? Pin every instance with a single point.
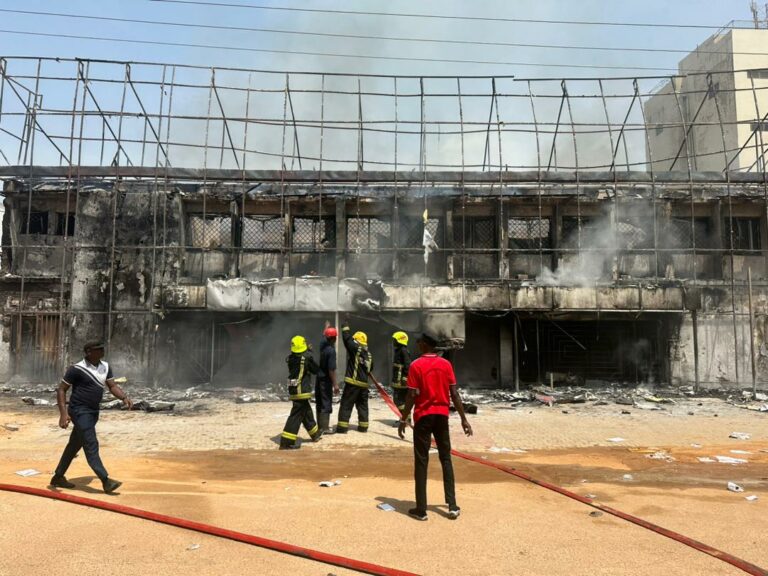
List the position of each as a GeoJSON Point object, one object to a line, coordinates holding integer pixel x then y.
{"type": "Point", "coordinates": [330, 332]}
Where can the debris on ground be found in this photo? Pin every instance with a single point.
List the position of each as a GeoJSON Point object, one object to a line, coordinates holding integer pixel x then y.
{"type": "Point", "coordinates": [733, 487]}
{"type": "Point", "coordinates": [729, 460]}
{"type": "Point", "coordinates": [156, 406]}
{"type": "Point", "coordinates": [661, 455]}
{"type": "Point", "coordinates": [751, 498]}
{"type": "Point", "coordinates": [740, 452]}
{"type": "Point", "coordinates": [386, 507]}
{"type": "Point", "coordinates": [616, 440]}
{"type": "Point", "coordinates": [193, 547]}
{"type": "Point", "coordinates": [27, 472]}
{"type": "Point", "coordinates": [595, 513]}
{"type": "Point", "coordinates": [330, 483]}
{"type": "Point", "coordinates": [36, 401]}
{"type": "Point", "coordinates": [11, 427]}
{"type": "Point", "coordinates": [706, 459]}
{"type": "Point", "coordinates": [627, 477]}
{"type": "Point", "coordinates": [739, 435]}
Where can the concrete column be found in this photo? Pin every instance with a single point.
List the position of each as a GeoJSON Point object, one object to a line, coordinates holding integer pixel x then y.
{"type": "Point", "coordinates": [287, 240]}
{"type": "Point", "coordinates": [449, 259]}
{"type": "Point", "coordinates": [557, 234]}
{"type": "Point", "coordinates": [507, 353]}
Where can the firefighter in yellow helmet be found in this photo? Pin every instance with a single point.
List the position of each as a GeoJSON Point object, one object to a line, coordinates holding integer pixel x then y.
{"type": "Point", "coordinates": [401, 362]}
{"type": "Point", "coordinates": [301, 366]}
{"type": "Point", "coordinates": [355, 394]}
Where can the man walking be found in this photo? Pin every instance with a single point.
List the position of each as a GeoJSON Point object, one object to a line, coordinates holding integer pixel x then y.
{"type": "Point", "coordinates": [326, 387]}
{"type": "Point", "coordinates": [401, 362]}
{"type": "Point", "coordinates": [88, 380]}
{"type": "Point", "coordinates": [301, 366]}
{"type": "Point", "coordinates": [431, 382]}
{"type": "Point", "coordinates": [355, 394]}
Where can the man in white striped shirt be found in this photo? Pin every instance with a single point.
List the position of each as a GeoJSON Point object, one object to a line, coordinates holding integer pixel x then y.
{"type": "Point", "coordinates": [88, 380]}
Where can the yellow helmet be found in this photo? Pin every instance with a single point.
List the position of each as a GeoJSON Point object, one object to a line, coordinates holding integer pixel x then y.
{"type": "Point", "coordinates": [298, 344]}
{"type": "Point", "coordinates": [401, 338]}
{"type": "Point", "coordinates": [361, 338]}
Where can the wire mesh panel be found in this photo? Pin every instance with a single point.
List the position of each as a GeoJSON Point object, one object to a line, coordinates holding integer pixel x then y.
{"type": "Point", "coordinates": [633, 234]}
{"type": "Point", "coordinates": [745, 234]}
{"type": "Point", "coordinates": [210, 231]}
{"type": "Point", "coordinates": [476, 247]}
{"type": "Point", "coordinates": [313, 234]}
{"type": "Point", "coordinates": [368, 233]}
{"type": "Point", "coordinates": [679, 233]}
{"type": "Point", "coordinates": [529, 233]}
{"type": "Point", "coordinates": [262, 232]}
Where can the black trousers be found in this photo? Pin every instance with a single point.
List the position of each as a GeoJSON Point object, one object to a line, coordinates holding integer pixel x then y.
{"type": "Point", "coordinates": [301, 413]}
{"type": "Point", "coordinates": [323, 397]}
{"type": "Point", "coordinates": [353, 397]}
{"type": "Point", "coordinates": [83, 436]}
{"type": "Point", "coordinates": [427, 427]}
{"type": "Point", "coordinates": [399, 395]}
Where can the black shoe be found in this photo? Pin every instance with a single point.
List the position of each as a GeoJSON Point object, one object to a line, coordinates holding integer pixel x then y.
{"type": "Point", "coordinates": [418, 514]}
{"type": "Point", "coordinates": [318, 436]}
{"type": "Point", "coordinates": [362, 429]}
{"type": "Point", "coordinates": [453, 512]}
{"type": "Point", "coordinates": [110, 485]}
{"type": "Point", "coordinates": [290, 446]}
{"type": "Point", "coordinates": [341, 430]}
{"type": "Point", "coordinates": [61, 482]}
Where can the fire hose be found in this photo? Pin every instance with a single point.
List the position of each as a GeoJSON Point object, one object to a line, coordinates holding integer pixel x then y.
{"type": "Point", "coordinates": [301, 552]}
{"type": "Point", "coordinates": [747, 567]}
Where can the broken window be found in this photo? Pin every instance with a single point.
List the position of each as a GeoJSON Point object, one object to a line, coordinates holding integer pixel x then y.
{"type": "Point", "coordinates": [634, 233]}
{"type": "Point", "coordinates": [263, 232]}
{"type": "Point", "coordinates": [313, 234]}
{"type": "Point", "coordinates": [34, 222]}
{"type": "Point", "coordinates": [210, 231]}
{"type": "Point", "coordinates": [681, 231]}
{"type": "Point", "coordinates": [745, 233]}
{"type": "Point", "coordinates": [368, 233]}
{"type": "Point", "coordinates": [529, 233]}
{"type": "Point", "coordinates": [65, 223]}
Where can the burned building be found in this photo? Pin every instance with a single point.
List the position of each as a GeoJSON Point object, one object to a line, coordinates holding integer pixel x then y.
{"type": "Point", "coordinates": [537, 243]}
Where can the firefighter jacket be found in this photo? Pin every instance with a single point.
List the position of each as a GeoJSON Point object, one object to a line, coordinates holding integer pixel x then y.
{"type": "Point", "coordinates": [300, 369]}
{"type": "Point", "coordinates": [359, 360]}
{"type": "Point", "coordinates": [400, 365]}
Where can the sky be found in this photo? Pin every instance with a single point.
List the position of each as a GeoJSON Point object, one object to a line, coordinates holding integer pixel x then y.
{"type": "Point", "coordinates": [441, 148]}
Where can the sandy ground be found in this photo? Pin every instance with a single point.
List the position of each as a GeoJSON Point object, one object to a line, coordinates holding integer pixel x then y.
{"type": "Point", "coordinates": [217, 462]}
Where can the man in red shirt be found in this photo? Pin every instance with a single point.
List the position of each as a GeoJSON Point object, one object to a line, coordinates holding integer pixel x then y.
{"type": "Point", "coordinates": [431, 383]}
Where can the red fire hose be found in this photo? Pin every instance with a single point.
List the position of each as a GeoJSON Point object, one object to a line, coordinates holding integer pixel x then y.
{"type": "Point", "coordinates": [695, 544]}
{"type": "Point", "coordinates": [307, 553]}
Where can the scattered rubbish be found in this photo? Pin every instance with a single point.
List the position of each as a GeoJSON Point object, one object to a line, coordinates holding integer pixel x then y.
{"type": "Point", "coordinates": [625, 401]}
{"type": "Point", "coordinates": [706, 459]}
{"type": "Point", "coordinates": [330, 483]}
{"type": "Point", "coordinates": [740, 452]}
{"type": "Point", "coordinates": [595, 513]}
{"type": "Point", "coordinates": [729, 460]}
{"type": "Point", "coordinates": [750, 498]}
{"type": "Point", "coordinates": [157, 406]}
{"type": "Point", "coordinates": [545, 399]}
{"type": "Point", "coordinates": [112, 405]}
{"type": "Point", "coordinates": [695, 445]}
{"type": "Point", "coordinates": [591, 496]}
{"type": "Point", "coordinates": [193, 547]}
{"type": "Point", "coordinates": [11, 427]}
{"type": "Point", "coordinates": [761, 397]}
{"type": "Point", "coordinates": [386, 507]}
{"type": "Point", "coordinates": [739, 435]}
{"type": "Point", "coordinates": [661, 455]}
{"type": "Point", "coordinates": [628, 477]}
{"type": "Point", "coordinates": [616, 440]}
{"type": "Point", "coordinates": [36, 401]}
{"type": "Point", "coordinates": [691, 414]}
{"type": "Point", "coordinates": [28, 472]}
{"type": "Point", "coordinates": [733, 487]}
{"type": "Point", "coordinates": [658, 399]}
{"type": "Point", "coordinates": [626, 412]}
{"type": "Point", "coordinates": [469, 408]}
{"type": "Point", "coordinates": [497, 450]}
{"type": "Point", "coordinates": [600, 403]}
{"type": "Point", "coordinates": [565, 412]}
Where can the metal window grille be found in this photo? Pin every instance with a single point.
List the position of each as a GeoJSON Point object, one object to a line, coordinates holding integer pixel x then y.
{"type": "Point", "coordinates": [679, 233]}
{"type": "Point", "coordinates": [263, 232]}
{"type": "Point", "coordinates": [368, 233]}
{"type": "Point", "coordinates": [412, 231]}
{"type": "Point", "coordinates": [476, 232]}
{"type": "Point", "coordinates": [211, 231]}
{"type": "Point", "coordinates": [34, 222]}
{"type": "Point", "coordinates": [745, 233]}
{"type": "Point", "coordinates": [632, 234]}
{"type": "Point", "coordinates": [313, 234]}
{"type": "Point", "coordinates": [571, 226]}
{"type": "Point", "coordinates": [529, 233]}
{"type": "Point", "coordinates": [65, 223]}
{"type": "Point", "coordinates": [758, 73]}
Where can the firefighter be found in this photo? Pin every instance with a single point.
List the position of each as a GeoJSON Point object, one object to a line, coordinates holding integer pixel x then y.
{"type": "Point", "coordinates": [401, 362]}
{"type": "Point", "coordinates": [355, 394]}
{"type": "Point", "coordinates": [301, 366]}
{"type": "Point", "coordinates": [326, 387]}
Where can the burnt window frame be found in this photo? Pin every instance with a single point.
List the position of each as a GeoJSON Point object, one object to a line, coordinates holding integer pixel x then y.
{"type": "Point", "coordinates": [536, 244]}
{"type": "Point", "coordinates": [371, 235]}
{"type": "Point", "coordinates": [65, 224]}
{"type": "Point", "coordinates": [208, 216]}
{"type": "Point", "coordinates": [461, 230]}
{"type": "Point", "coordinates": [267, 246]}
{"type": "Point", "coordinates": [743, 227]}
{"type": "Point", "coordinates": [317, 244]}
{"type": "Point", "coordinates": [32, 218]}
